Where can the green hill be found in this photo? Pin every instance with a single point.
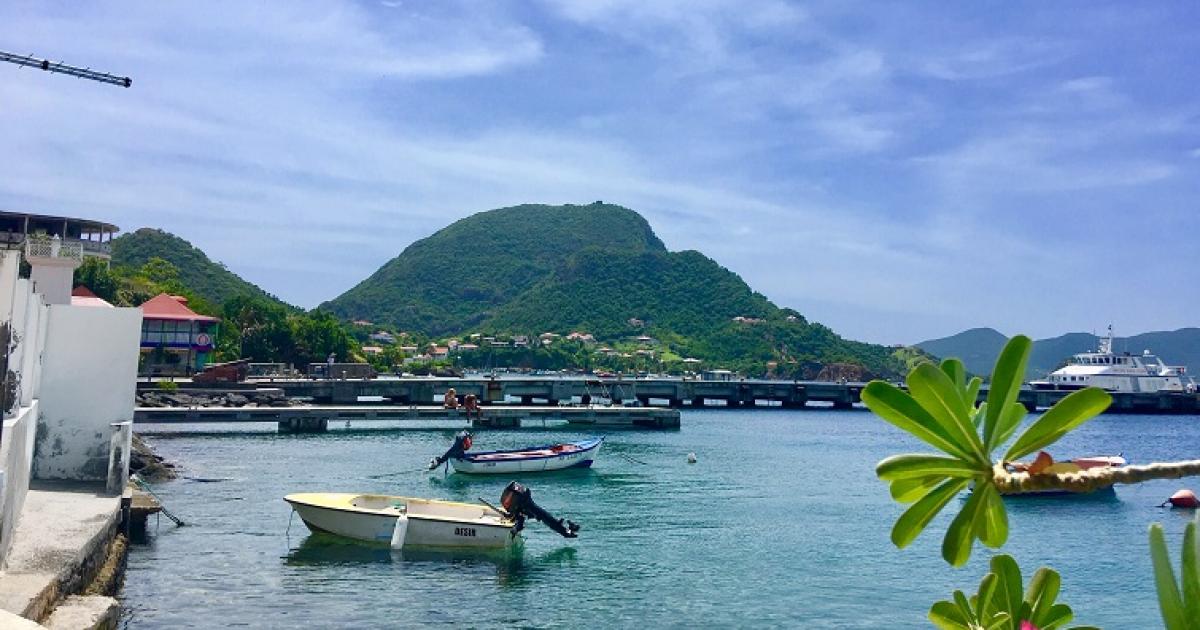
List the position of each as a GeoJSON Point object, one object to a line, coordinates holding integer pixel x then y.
{"type": "Point", "coordinates": [979, 347]}
{"type": "Point", "coordinates": [458, 277]}
{"type": "Point", "coordinates": [208, 279]}
{"type": "Point", "coordinates": [597, 268]}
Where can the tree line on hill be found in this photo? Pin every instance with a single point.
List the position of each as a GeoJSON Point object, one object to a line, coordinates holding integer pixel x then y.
{"type": "Point", "coordinates": [252, 325]}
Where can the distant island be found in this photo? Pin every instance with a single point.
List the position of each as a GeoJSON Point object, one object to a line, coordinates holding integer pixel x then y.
{"type": "Point", "coordinates": [978, 348]}
{"type": "Point", "coordinates": [535, 286]}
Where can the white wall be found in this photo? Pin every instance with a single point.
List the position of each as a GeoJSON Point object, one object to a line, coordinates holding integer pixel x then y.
{"type": "Point", "coordinates": [16, 459]}
{"type": "Point", "coordinates": [25, 315]}
{"type": "Point", "coordinates": [89, 372]}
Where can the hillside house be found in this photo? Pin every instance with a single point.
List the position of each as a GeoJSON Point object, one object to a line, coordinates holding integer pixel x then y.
{"type": "Point", "coordinates": [176, 341]}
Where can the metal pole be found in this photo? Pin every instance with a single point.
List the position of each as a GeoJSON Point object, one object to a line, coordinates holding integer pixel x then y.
{"type": "Point", "coordinates": [62, 68]}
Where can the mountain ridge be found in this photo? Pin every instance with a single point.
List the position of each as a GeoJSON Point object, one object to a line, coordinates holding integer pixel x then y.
{"type": "Point", "coordinates": [208, 278]}
{"type": "Point", "coordinates": [600, 269]}
{"type": "Point", "coordinates": [978, 352]}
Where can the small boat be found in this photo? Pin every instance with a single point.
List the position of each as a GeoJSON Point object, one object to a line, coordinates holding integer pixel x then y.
{"type": "Point", "coordinates": [1044, 464]}
{"type": "Point", "coordinates": [403, 522]}
{"type": "Point", "coordinates": [578, 454]}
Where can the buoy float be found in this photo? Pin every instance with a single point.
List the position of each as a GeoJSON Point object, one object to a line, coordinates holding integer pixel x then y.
{"type": "Point", "coordinates": [1184, 499]}
{"type": "Point", "coordinates": [692, 459]}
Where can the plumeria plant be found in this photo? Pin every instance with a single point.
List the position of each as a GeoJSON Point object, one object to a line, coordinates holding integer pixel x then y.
{"type": "Point", "coordinates": [1002, 604]}
{"type": "Point", "coordinates": [1180, 603]}
{"type": "Point", "coordinates": [939, 408]}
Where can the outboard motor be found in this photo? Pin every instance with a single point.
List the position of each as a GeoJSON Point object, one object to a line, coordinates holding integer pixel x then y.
{"type": "Point", "coordinates": [462, 443]}
{"type": "Point", "coordinates": [517, 500]}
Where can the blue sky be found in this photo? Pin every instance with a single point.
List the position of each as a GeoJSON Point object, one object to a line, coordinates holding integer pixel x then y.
{"type": "Point", "coordinates": [898, 171]}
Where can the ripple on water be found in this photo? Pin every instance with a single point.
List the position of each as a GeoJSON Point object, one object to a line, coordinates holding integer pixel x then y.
{"type": "Point", "coordinates": [781, 522]}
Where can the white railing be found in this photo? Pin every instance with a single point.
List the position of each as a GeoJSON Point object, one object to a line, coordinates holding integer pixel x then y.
{"type": "Point", "coordinates": [53, 247]}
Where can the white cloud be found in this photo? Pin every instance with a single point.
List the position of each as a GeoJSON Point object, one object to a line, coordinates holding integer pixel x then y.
{"type": "Point", "coordinates": [842, 166]}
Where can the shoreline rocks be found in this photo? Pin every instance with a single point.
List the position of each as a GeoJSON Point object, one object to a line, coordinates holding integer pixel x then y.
{"type": "Point", "coordinates": [149, 465]}
{"type": "Point", "coordinates": [201, 398]}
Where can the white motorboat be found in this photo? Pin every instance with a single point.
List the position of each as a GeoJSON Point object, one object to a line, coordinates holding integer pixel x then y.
{"type": "Point", "coordinates": [579, 454]}
{"type": "Point", "coordinates": [1118, 372]}
{"type": "Point", "coordinates": [410, 522]}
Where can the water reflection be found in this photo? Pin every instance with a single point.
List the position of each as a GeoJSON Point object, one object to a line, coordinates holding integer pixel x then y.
{"type": "Point", "coordinates": [512, 567]}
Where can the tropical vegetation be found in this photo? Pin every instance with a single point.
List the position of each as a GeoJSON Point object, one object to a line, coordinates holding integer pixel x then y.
{"type": "Point", "coordinates": [939, 408]}
{"type": "Point", "coordinates": [598, 269]}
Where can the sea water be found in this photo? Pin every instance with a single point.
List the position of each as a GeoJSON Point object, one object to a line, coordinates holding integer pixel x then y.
{"type": "Point", "coordinates": [780, 522]}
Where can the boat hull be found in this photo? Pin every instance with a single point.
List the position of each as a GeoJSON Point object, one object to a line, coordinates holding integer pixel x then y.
{"type": "Point", "coordinates": [486, 463]}
{"type": "Point", "coordinates": [427, 523]}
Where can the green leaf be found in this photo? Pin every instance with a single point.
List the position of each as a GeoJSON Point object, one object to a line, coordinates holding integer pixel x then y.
{"type": "Point", "coordinates": [1002, 620]}
{"type": "Point", "coordinates": [1008, 587]}
{"type": "Point", "coordinates": [912, 466]}
{"type": "Point", "coordinates": [964, 606]}
{"type": "Point", "coordinates": [935, 392]}
{"type": "Point", "coordinates": [992, 528]}
{"type": "Point", "coordinates": [983, 599]}
{"type": "Point", "coordinates": [946, 616]}
{"type": "Point", "coordinates": [1006, 382]}
{"type": "Point", "coordinates": [909, 490]}
{"type": "Point", "coordinates": [956, 546]}
{"type": "Point", "coordinates": [977, 420]}
{"type": "Point", "coordinates": [1040, 595]}
{"type": "Point", "coordinates": [1056, 616]}
{"type": "Point", "coordinates": [1070, 412]}
{"type": "Point", "coordinates": [1190, 567]}
{"type": "Point", "coordinates": [903, 411]}
{"type": "Point", "coordinates": [972, 394]}
{"type": "Point", "coordinates": [957, 373]}
{"type": "Point", "coordinates": [916, 518]}
{"type": "Point", "coordinates": [1169, 600]}
{"type": "Point", "coordinates": [1010, 421]}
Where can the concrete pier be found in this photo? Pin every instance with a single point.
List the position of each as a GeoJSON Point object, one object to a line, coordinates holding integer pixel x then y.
{"type": "Point", "coordinates": [666, 392]}
{"type": "Point", "coordinates": [312, 419]}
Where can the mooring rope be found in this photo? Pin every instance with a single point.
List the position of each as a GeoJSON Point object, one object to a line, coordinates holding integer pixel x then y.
{"type": "Point", "coordinates": [636, 461]}
{"type": "Point", "coordinates": [1092, 478]}
{"type": "Point", "coordinates": [402, 472]}
{"type": "Point", "coordinates": [162, 508]}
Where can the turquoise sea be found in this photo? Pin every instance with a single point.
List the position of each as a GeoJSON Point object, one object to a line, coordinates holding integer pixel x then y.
{"type": "Point", "coordinates": [780, 523]}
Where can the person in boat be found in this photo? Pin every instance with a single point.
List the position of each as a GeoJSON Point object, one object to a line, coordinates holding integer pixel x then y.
{"type": "Point", "coordinates": [471, 405]}
{"type": "Point", "coordinates": [451, 399]}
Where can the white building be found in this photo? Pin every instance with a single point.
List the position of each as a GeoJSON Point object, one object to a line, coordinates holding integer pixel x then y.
{"type": "Point", "coordinates": [69, 373]}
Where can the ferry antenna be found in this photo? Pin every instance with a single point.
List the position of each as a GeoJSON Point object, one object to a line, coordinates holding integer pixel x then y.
{"type": "Point", "coordinates": [62, 68]}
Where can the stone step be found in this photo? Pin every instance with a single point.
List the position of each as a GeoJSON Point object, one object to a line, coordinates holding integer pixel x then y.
{"type": "Point", "coordinates": [84, 612]}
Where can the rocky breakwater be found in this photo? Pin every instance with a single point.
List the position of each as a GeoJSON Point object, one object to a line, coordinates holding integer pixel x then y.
{"type": "Point", "coordinates": [149, 465]}
{"type": "Point", "coordinates": [203, 398]}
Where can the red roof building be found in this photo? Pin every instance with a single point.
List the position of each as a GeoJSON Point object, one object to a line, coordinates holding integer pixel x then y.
{"type": "Point", "coordinates": [175, 339]}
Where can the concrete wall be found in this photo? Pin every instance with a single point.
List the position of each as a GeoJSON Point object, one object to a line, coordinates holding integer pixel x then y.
{"type": "Point", "coordinates": [16, 458]}
{"type": "Point", "coordinates": [23, 319]}
{"type": "Point", "coordinates": [89, 373]}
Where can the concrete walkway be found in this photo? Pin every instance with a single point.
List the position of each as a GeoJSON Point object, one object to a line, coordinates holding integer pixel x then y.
{"type": "Point", "coordinates": [63, 532]}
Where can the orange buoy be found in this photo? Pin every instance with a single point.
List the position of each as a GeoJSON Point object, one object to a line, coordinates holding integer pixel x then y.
{"type": "Point", "coordinates": [1185, 499]}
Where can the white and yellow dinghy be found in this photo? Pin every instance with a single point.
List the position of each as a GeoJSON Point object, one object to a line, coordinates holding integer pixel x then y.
{"type": "Point", "coordinates": [410, 522]}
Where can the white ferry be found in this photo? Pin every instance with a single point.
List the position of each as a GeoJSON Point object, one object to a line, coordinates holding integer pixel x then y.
{"type": "Point", "coordinates": [1118, 372]}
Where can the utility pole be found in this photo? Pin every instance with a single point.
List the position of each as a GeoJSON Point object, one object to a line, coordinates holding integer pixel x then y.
{"type": "Point", "coordinates": [62, 68]}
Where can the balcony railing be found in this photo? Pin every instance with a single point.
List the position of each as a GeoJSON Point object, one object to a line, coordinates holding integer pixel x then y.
{"type": "Point", "coordinates": [53, 248]}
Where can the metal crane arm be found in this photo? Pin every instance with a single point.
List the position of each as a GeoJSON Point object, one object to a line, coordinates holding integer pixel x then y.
{"type": "Point", "coordinates": [62, 68]}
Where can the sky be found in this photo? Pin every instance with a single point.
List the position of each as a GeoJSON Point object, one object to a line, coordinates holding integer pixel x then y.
{"type": "Point", "coordinates": [897, 171]}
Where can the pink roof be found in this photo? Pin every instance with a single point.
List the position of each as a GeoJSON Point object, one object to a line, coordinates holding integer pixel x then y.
{"type": "Point", "coordinates": [83, 296]}
{"type": "Point", "coordinates": [163, 306]}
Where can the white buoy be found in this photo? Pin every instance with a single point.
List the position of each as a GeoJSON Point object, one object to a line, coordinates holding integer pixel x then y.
{"type": "Point", "coordinates": [691, 458]}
